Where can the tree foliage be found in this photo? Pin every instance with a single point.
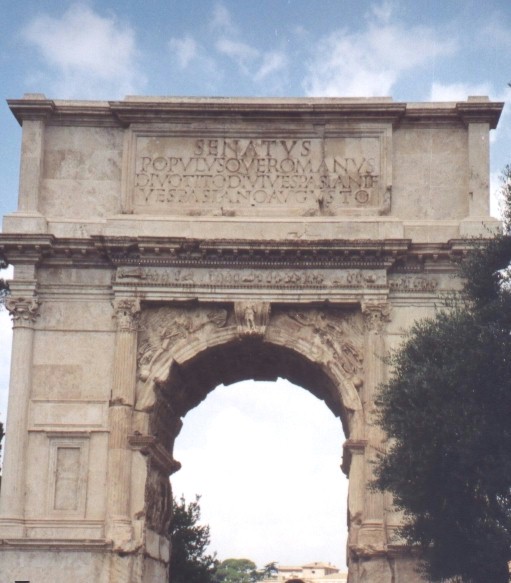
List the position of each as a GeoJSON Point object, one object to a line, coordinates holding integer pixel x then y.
{"type": "Point", "coordinates": [190, 561]}
{"type": "Point", "coordinates": [237, 571]}
{"type": "Point", "coordinates": [447, 412]}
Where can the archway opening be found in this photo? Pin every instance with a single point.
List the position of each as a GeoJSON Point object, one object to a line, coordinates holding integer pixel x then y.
{"type": "Point", "coordinates": [265, 458]}
{"type": "Point", "coordinates": [263, 454]}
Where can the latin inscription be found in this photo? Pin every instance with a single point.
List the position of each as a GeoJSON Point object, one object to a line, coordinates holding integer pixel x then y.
{"type": "Point", "coordinates": [227, 176]}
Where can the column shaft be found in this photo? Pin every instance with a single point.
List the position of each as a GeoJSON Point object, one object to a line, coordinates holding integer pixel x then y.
{"type": "Point", "coordinates": [121, 411]}
{"type": "Point", "coordinates": [12, 500]}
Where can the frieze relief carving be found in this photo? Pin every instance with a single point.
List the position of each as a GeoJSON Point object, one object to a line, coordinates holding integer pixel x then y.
{"type": "Point", "coordinates": [161, 330]}
{"type": "Point", "coordinates": [158, 500]}
{"type": "Point", "coordinates": [336, 338]}
{"type": "Point", "coordinates": [252, 318]}
{"type": "Point", "coordinates": [252, 278]}
{"type": "Point", "coordinates": [340, 335]}
{"type": "Point", "coordinates": [414, 283]}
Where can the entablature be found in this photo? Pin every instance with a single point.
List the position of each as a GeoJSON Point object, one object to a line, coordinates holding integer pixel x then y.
{"type": "Point", "coordinates": [99, 251]}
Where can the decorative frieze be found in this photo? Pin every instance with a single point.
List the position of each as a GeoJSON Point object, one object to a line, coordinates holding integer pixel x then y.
{"type": "Point", "coordinates": [285, 278]}
{"type": "Point", "coordinates": [413, 284]}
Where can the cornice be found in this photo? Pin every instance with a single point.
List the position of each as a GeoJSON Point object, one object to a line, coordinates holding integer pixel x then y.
{"type": "Point", "coordinates": [153, 110]}
{"type": "Point", "coordinates": [99, 251]}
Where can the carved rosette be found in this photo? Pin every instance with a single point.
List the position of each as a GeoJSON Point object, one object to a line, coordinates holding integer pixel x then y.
{"type": "Point", "coordinates": [127, 314]}
{"type": "Point", "coordinates": [252, 318]}
{"type": "Point", "coordinates": [23, 311]}
{"type": "Point", "coordinates": [376, 315]}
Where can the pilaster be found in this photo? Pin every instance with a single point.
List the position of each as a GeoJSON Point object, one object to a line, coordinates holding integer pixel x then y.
{"type": "Point", "coordinates": [376, 314]}
{"type": "Point", "coordinates": [119, 528]}
{"type": "Point", "coordinates": [24, 312]}
{"type": "Point", "coordinates": [479, 168]}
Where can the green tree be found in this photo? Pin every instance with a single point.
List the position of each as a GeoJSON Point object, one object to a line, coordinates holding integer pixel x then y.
{"type": "Point", "coordinates": [447, 412]}
{"type": "Point", "coordinates": [190, 562]}
{"type": "Point", "coordinates": [238, 571]}
{"type": "Point", "coordinates": [269, 570]}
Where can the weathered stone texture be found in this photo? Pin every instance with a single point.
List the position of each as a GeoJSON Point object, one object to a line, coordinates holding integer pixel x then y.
{"type": "Point", "coordinates": [165, 246]}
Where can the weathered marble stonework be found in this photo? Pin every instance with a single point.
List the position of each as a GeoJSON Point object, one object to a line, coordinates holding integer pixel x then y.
{"type": "Point", "coordinates": [164, 246]}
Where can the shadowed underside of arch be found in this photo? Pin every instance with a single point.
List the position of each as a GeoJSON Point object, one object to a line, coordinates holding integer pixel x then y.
{"type": "Point", "coordinates": [245, 359]}
{"type": "Point", "coordinates": [321, 350]}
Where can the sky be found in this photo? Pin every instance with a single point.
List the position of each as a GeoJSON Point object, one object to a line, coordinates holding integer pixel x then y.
{"type": "Point", "coordinates": [270, 482]}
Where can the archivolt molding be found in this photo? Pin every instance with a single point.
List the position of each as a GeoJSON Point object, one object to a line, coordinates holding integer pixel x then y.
{"type": "Point", "coordinates": [332, 339]}
{"type": "Point", "coordinates": [164, 331]}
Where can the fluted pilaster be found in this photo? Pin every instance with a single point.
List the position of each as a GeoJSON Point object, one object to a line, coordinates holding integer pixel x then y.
{"type": "Point", "coordinates": [126, 313]}
{"type": "Point", "coordinates": [24, 312]}
{"type": "Point", "coordinates": [376, 315]}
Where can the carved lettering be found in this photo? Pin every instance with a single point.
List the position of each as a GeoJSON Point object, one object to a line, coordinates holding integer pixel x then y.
{"type": "Point", "coordinates": [236, 175]}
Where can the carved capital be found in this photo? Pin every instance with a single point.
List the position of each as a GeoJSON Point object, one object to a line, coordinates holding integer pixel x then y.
{"type": "Point", "coordinates": [127, 313]}
{"type": "Point", "coordinates": [23, 311]}
{"type": "Point", "coordinates": [376, 315]}
{"type": "Point", "coordinates": [252, 318]}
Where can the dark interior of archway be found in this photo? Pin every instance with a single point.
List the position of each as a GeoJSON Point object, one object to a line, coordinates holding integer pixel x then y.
{"type": "Point", "coordinates": [249, 358]}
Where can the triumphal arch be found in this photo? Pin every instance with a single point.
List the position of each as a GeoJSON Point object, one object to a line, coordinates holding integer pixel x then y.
{"type": "Point", "coordinates": [163, 246]}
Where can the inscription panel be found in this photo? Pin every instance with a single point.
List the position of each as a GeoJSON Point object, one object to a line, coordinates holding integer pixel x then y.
{"type": "Point", "coordinates": [239, 176]}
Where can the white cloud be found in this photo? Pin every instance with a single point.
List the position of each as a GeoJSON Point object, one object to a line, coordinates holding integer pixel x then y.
{"type": "Point", "coordinates": [495, 34]}
{"type": "Point", "coordinates": [272, 63]}
{"type": "Point", "coordinates": [239, 51]}
{"type": "Point", "coordinates": [222, 19]}
{"type": "Point", "coordinates": [89, 55]}
{"type": "Point", "coordinates": [185, 49]}
{"type": "Point", "coordinates": [222, 46]}
{"type": "Point", "coordinates": [369, 62]}
{"type": "Point", "coordinates": [382, 12]}
{"type": "Point", "coordinates": [495, 195]}
{"type": "Point", "coordinates": [458, 91]}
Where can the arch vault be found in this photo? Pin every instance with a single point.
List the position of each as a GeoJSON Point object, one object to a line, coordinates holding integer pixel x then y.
{"type": "Point", "coordinates": [162, 246]}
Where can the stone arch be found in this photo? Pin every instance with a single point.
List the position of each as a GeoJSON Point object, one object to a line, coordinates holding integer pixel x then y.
{"type": "Point", "coordinates": [185, 352]}
{"type": "Point", "coordinates": [320, 349]}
